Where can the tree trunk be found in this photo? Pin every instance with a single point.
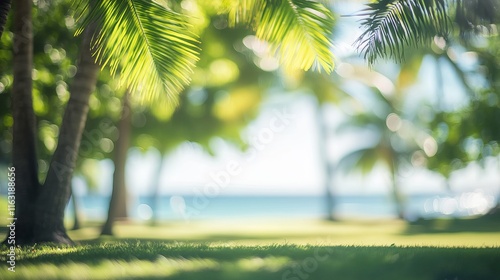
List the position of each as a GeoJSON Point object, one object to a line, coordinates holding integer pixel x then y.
{"type": "Point", "coordinates": [76, 213]}
{"type": "Point", "coordinates": [396, 194]}
{"type": "Point", "coordinates": [24, 157]}
{"type": "Point", "coordinates": [55, 193]}
{"type": "Point", "coordinates": [156, 191]}
{"type": "Point", "coordinates": [4, 13]}
{"type": "Point", "coordinates": [328, 170]}
{"type": "Point", "coordinates": [118, 202]}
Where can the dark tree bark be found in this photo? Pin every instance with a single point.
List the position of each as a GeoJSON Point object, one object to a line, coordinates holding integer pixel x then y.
{"type": "Point", "coordinates": [118, 203]}
{"type": "Point", "coordinates": [4, 13]}
{"type": "Point", "coordinates": [24, 130]}
{"type": "Point", "coordinates": [55, 193]}
{"type": "Point", "coordinates": [76, 212]}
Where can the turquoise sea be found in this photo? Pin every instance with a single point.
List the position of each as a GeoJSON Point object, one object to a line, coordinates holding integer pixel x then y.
{"type": "Point", "coordinates": [179, 207]}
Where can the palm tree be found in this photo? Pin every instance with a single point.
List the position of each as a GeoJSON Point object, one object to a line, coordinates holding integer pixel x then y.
{"type": "Point", "coordinates": [389, 143]}
{"type": "Point", "coordinates": [24, 133]}
{"type": "Point", "coordinates": [325, 161]}
{"type": "Point", "coordinates": [379, 151]}
{"type": "Point", "coordinates": [155, 55]}
{"type": "Point", "coordinates": [117, 206]}
{"type": "Point", "coordinates": [394, 28]}
{"type": "Point", "coordinates": [56, 191]}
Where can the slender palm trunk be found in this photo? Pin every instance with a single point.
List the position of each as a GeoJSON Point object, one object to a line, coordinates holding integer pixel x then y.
{"type": "Point", "coordinates": [156, 191]}
{"type": "Point", "coordinates": [328, 170]}
{"type": "Point", "coordinates": [24, 157]}
{"type": "Point", "coordinates": [396, 193]}
{"type": "Point", "coordinates": [55, 193]}
{"type": "Point", "coordinates": [4, 13]}
{"type": "Point", "coordinates": [118, 203]}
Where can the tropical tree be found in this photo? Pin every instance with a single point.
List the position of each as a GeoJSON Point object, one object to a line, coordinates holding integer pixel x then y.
{"type": "Point", "coordinates": [382, 149]}
{"type": "Point", "coordinates": [391, 140]}
{"type": "Point", "coordinates": [394, 28]}
{"type": "Point", "coordinates": [156, 54]}
{"type": "Point", "coordinates": [24, 134]}
{"type": "Point", "coordinates": [54, 52]}
{"type": "Point", "coordinates": [117, 204]}
{"type": "Point", "coordinates": [50, 203]}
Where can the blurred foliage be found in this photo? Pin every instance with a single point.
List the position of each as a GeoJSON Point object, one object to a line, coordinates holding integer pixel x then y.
{"type": "Point", "coordinates": [55, 51]}
{"type": "Point", "coordinates": [472, 133]}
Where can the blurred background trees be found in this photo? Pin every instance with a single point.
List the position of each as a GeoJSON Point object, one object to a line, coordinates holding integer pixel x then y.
{"type": "Point", "coordinates": [407, 115]}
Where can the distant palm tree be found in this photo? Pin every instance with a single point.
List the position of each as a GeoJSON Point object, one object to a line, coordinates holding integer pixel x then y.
{"type": "Point", "coordinates": [118, 206]}
{"type": "Point", "coordinates": [394, 27]}
{"type": "Point", "coordinates": [385, 147]}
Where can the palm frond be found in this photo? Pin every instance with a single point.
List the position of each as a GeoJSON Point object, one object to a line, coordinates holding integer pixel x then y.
{"type": "Point", "coordinates": [297, 30]}
{"type": "Point", "coordinates": [392, 26]}
{"type": "Point", "coordinates": [149, 45]}
{"type": "Point", "coordinates": [243, 11]}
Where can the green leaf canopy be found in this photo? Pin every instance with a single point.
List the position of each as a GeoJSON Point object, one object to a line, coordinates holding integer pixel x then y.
{"type": "Point", "coordinates": [151, 46]}
{"type": "Point", "coordinates": [297, 30]}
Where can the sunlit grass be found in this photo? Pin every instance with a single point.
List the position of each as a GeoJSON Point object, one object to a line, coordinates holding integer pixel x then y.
{"type": "Point", "coordinates": [154, 259]}
{"type": "Point", "coordinates": [255, 249]}
{"type": "Point", "coordinates": [316, 232]}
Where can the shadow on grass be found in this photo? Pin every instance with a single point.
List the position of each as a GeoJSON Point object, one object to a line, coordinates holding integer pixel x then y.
{"type": "Point", "coordinates": [486, 223]}
{"type": "Point", "coordinates": [143, 259]}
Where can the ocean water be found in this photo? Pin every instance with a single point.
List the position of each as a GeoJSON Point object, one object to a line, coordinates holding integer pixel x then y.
{"type": "Point", "coordinates": [237, 207]}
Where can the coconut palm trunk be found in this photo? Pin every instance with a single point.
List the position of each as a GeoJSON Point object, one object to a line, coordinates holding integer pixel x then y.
{"type": "Point", "coordinates": [4, 13]}
{"type": "Point", "coordinates": [24, 130]}
{"type": "Point", "coordinates": [395, 191]}
{"type": "Point", "coordinates": [118, 203]}
{"type": "Point", "coordinates": [55, 193]}
{"type": "Point", "coordinates": [328, 171]}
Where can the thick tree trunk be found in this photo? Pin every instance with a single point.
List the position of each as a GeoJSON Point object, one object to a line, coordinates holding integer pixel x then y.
{"type": "Point", "coordinates": [328, 170]}
{"type": "Point", "coordinates": [4, 13]}
{"type": "Point", "coordinates": [55, 193]}
{"type": "Point", "coordinates": [24, 157]}
{"type": "Point", "coordinates": [118, 203]}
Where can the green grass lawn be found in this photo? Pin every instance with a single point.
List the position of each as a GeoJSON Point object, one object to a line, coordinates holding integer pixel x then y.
{"type": "Point", "coordinates": [286, 249]}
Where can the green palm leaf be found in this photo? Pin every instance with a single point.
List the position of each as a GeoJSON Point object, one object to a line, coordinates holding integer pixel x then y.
{"type": "Point", "coordinates": [150, 45]}
{"type": "Point", "coordinates": [392, 26]}
{"type": "Point", "coordinates": [297, 30]}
